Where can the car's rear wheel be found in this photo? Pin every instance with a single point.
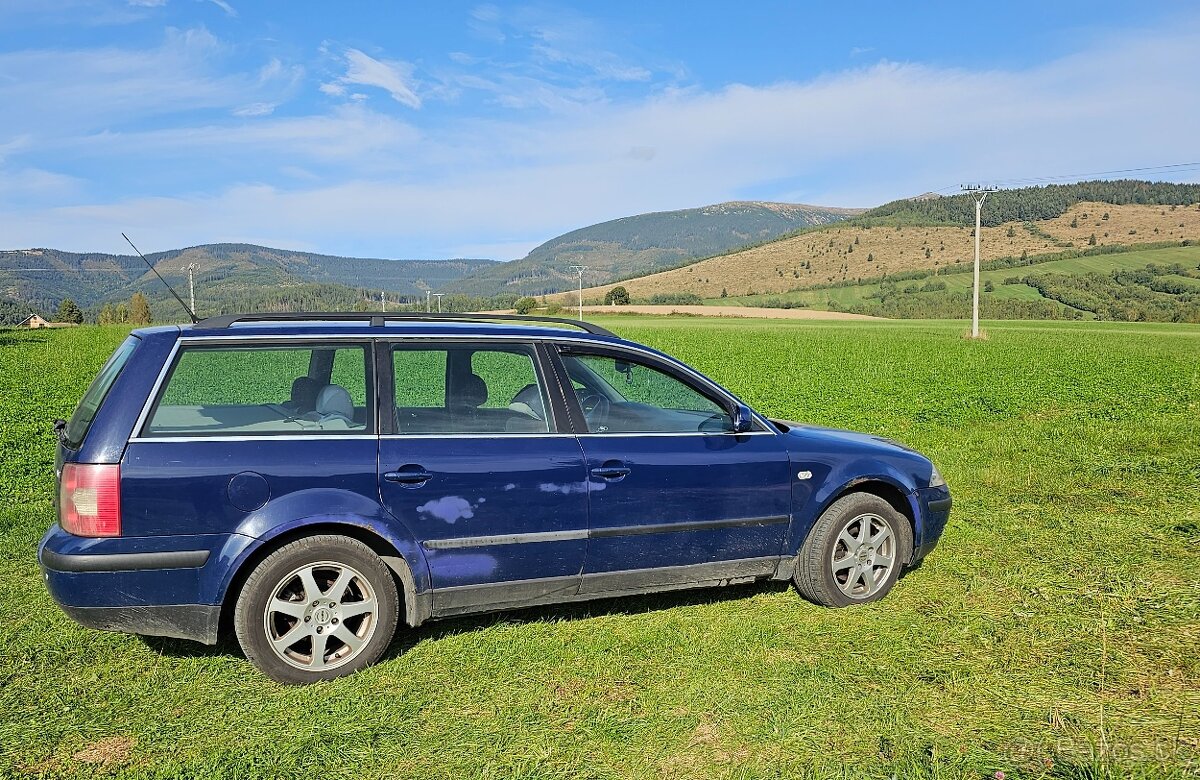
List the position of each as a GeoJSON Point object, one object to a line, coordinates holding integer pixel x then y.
{"type": "Point", "coordinates": [854, 553]}
{"type": "Point", "coordinates": [315, 609]}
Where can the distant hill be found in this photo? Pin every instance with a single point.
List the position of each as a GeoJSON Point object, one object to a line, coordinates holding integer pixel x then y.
{"type": "Point", "coordinates": [931, 235]}
{"type": "Point", "coordinates": [1035, 203]}
{"type": "Point", "coordinates": [642, 244]}
{"type": "Point", "coordinates": [226, 272]}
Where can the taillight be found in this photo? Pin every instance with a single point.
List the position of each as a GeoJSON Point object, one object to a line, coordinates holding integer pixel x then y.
{"type": "Point", "coordinates": [89, 499]}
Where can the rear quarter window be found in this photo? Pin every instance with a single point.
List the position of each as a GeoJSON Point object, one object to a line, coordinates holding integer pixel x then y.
{"type": "Point", "coordinates": [260, 390]}
{"type": "Point", "coordinates": [85, 412]}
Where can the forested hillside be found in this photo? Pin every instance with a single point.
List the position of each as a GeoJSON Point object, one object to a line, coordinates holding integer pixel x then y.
{"type": "Point", "coordinates": [1037, 203]}
{"type": "Point", "coordinates": [227, 276]}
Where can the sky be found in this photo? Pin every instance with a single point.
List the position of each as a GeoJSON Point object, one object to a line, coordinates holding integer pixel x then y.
{"type": "Point", "coordinates": [438, 130]}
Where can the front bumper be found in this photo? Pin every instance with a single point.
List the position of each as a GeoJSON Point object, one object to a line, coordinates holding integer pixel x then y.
{"type": "Point", "coordinates": [934, 506]}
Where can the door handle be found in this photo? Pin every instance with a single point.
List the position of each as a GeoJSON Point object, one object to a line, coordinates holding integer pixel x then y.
{"type": "Point", "coordinates": [613, 469]}
{"type": "Point", "coordinates": [409, 475]}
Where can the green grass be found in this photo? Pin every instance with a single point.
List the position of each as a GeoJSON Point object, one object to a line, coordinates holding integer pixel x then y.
{"type": "Point", "coordinates": [1054, 633]}
{"type": "Point", "coordinates": [961, 282]}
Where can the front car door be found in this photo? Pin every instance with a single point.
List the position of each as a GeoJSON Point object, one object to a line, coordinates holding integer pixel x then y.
{"type": "Point", "coordinates": [473, 462]}
{"type": "Point", "coordinates": [676, 497]}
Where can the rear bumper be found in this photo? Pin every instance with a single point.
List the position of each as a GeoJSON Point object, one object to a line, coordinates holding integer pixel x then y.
{"type": "Point", "coordinates": [155, 586]}
{"type": "Point", "coordinates": [197, 622]}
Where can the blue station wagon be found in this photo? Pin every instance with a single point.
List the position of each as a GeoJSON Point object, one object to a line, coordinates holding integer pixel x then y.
{"type": "Point", "coordinates": [310, 481]}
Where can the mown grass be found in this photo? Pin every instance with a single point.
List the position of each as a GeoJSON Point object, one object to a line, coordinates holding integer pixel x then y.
{"type": "Point", "coordinates": [1054, 633]}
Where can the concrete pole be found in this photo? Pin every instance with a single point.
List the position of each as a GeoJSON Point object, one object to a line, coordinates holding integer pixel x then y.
{"type": "Point", "coordinates": [980, 195]}
{"type": "Point", "coordinates": [428, 303]}
{"type": "Point", "coordinates": [580, 269]}
{"type": "Point", "coordinates": [975, 287]}
{"type": "Point", "coordinates": [192, 285]}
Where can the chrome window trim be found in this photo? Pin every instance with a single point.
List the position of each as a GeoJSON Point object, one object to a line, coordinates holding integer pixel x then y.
{"type": "Point", "coordinates": [260, 437]}
{"type": "Point", "coordinates": [148, 406]}
{"type": "Point", "coordinates": [343, 436]}
{"type": "Point", "coordinates": [553, 424]}
{"type": "Point", "coordinates": [769, 429]}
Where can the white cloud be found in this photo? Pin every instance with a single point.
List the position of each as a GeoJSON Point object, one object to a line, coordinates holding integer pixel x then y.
{"type": "Point", "coordinates": [367, 183]}
{"type": "Point", "coordinates": [255, 109]}
{"type": "Point", "coordinates": [392, 76]}
{"type": "Point", "coordinates": [79, 91]}
{"type": "Point", "coordinates": [224, 6]}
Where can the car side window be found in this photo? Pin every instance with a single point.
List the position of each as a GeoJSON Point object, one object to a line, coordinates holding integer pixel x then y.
{"type": "Point", "coordinates": [619, 395]}
{"type": "Point", "coordinates": [468, 389]}
{"type": "Point", "coordinates": [264, 390]}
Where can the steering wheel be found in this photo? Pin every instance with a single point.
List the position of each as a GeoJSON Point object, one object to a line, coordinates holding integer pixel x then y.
{"type": "Point", "coordinates": [595, 410]}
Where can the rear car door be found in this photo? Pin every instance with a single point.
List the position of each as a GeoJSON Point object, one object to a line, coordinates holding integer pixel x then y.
{"type": "Point", "coordinates": [675, 495]}
{"type": "Point", "coordinates": [473, 462]}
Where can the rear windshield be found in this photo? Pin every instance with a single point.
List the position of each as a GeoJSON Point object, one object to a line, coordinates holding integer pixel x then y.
{"type": "Point", "coordinates": [86, 411]}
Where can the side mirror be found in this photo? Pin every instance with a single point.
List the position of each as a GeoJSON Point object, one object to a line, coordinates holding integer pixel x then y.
{"type": "Point", "coordinates": [743, 419]}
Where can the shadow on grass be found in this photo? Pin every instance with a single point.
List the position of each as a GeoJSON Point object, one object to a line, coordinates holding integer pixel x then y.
{"type": "Point", "coordinates": [226, 646]}
{"type": "Point", "coordinates": [406, 639]}
{"type": "Point", "coordinates": [19, 338]}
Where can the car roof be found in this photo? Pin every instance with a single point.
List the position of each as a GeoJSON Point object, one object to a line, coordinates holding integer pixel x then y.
{"type": "Point", "coordinates": [377, 324]}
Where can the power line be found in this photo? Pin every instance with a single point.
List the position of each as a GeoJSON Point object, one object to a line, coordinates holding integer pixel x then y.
{"type": "Point", "coordinates": [1171, 168]}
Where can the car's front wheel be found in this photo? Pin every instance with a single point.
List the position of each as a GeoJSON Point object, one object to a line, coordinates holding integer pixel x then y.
{"type": "Point", "coordinates": [315, 609]}
{"type": "Point", "coordinates": [854, 553]}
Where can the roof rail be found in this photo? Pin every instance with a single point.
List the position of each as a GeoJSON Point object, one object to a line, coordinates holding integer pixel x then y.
{"type": "Point", "coordinates": [378, 318]}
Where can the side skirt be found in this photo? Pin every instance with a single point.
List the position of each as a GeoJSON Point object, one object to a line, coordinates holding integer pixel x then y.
{"type": "Point", "coordinates": [516, 594]}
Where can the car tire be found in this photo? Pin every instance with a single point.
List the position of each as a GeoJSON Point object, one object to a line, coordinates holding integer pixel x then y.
{"type": "Point", "coordinates": [854, 553]}
{"type": "Point", "coordinates": [316, 609]}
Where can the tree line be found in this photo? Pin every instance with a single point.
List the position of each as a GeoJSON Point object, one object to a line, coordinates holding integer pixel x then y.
{"type": "Point", "coordinates": [1037, 203]}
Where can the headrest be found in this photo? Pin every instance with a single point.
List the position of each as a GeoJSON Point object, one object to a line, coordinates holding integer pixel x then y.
{"type": "Point", "coordinates": [333, 399]}
{"type": "Point", "coordinates": [304, 393]}
{"type": "Point", "coordinates": [472, 391]}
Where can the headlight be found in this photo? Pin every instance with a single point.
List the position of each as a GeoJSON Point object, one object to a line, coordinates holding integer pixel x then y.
{"type": "Point", "coordinates": [935, 479]}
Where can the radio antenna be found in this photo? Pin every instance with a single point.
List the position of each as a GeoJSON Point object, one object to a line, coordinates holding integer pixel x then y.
{"type": "Point", "coordinates": [171, 289]}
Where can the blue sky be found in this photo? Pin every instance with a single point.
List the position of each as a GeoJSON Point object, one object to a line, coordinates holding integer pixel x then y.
{"type": "Point", "coordinates": [474, 129]}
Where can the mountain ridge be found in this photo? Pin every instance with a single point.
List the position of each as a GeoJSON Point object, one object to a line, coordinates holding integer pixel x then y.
{"type": "Point", "coordinates": [643, 243]}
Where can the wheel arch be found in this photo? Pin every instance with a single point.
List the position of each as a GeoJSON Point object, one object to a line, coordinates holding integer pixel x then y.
{"type": "Point", "coordinates": [879, 483]}
{"type": "Point", "coordinates": [416, 602]}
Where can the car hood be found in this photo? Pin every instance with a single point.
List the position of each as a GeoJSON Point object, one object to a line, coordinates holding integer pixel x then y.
{"type": "Point", "coordinates": [838, 436]}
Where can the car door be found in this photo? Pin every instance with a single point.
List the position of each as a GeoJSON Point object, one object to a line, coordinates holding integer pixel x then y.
{"type": "Point", "coordinates": [472, 461]}
{"type": "Point", "coordinates": [675, 495]}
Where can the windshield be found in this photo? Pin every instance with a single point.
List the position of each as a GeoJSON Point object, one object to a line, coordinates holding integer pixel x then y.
{"type": "Point", "coordinates": [86, 411]}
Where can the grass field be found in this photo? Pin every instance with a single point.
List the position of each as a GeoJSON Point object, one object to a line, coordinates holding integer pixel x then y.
{"type": "Point", "coordinates": [846, 297]}
{"type": "Point", "coordinates": [1054, 633]}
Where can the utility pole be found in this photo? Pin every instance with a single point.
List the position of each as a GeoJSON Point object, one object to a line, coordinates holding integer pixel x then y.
{"type": "Point", "coordinates": [428, 308]}
{"type": "Point", "coordinates": [439, 297]}
{"type": "Point", "coordinates": [579, 269]}
{"type": "Point", "coordinates": [191, 268]}
{"type": "Point", "coordinates": [383, 300]}
{"type": "Point", "coordinates": [979, 193]}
